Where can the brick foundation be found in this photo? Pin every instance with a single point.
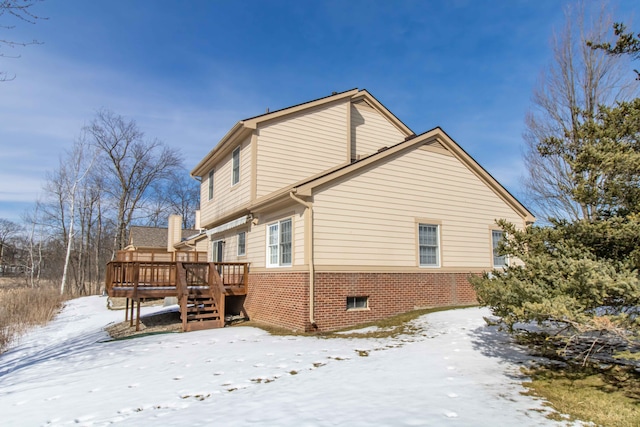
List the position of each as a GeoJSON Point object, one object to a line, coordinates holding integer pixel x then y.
{"type": "Point", "coordinates": [279, 299]}
{"type": "Point", "coordinates": [282, 299]}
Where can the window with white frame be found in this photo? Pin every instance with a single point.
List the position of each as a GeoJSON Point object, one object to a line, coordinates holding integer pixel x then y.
{"type": "Point", "coordinates": [211, 184]}
{"type": "Point", "coordinates": [357, 303]}
{"type": "Point", "coordinates": [242, 238]}
{"type": "Point", "coordinates": [428, 237]}
{"type": "Point", "coordinates": [235, 163]}
{"type": "Point", "coordinates": [217, 248]}
{"type": "Point", "coordinates": [496, 238]}
{"type": "Point", "coordinates": [279, 243]}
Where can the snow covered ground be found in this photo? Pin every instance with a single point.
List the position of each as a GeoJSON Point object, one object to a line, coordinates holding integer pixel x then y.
{"type": "Point", "coordinates": [455, 371]}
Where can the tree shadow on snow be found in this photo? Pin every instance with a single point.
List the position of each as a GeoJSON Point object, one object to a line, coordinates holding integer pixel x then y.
{"type": "Point", "coordinates": [22, 357]}
{"type": "Point", "coordinates": [492, 342]}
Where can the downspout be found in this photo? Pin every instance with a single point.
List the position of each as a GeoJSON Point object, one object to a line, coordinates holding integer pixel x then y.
{"type": "Point", "coordinates": [309, 250]}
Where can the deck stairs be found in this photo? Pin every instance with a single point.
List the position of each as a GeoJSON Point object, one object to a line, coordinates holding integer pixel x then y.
{"type": "Point", "coordinates": [199, 287]}
{"type": "Point", "coordinates": [201, 312]}
{"type": "Point", "coordinates": [201, 297]}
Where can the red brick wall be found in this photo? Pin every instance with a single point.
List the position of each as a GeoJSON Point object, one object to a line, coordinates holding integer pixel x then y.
{"type": "Point", "coordinates": [389, 294]}
{"type": "Point", "coordinates": [282, 299]}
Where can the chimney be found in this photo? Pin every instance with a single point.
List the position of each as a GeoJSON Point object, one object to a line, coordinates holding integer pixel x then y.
{"type": "Point", "coordinates": [174, 232]}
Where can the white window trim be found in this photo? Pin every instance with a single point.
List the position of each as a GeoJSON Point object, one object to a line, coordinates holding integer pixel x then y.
{"type": "Point", "coordinates": [211, 183]}
{"type": "Point", "coordinates": [268, 262]}
{"type": "Point", "coordinates": [493, 256]}
{"type": "Point", "coordinates": [214, 244]}
{"type": "Point", "coordinates": [438, 248]}
{"type": "Point", "coordinates": [234, 165]}
{"type": "Point", "coordinates": [244, 246]}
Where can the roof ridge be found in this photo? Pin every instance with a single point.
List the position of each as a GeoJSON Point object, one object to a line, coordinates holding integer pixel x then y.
{"type": "Point", "coordinates": [298, 105]}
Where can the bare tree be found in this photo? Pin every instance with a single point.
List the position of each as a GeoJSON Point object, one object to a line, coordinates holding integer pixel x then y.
{"type": "Point", "coordinates": [184, 198]}
{"type": "Point", "coordinates": [20, 10]}
{"type": "Point", "coordinates": [578, 79]}
{"type": "Point", "coordinates": [178, 194]}
{"type": "Point", "coordinates": [8, 230]}
{"type": "Point", "coordinates": [33, 245]}
{"type": "Point", "coordinates": [73, 171]}
{"type": "Point", "coordinates": [131, 165]}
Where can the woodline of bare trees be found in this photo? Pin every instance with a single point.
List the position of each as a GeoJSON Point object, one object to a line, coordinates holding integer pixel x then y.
{"type": "Point", "coordinates": [569, 91]}
{"type": "Point", "coordinates": [111, 178]}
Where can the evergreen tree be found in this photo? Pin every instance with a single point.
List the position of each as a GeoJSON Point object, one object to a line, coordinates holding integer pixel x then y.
{"type": "Point", "coordinates": [582, 275]}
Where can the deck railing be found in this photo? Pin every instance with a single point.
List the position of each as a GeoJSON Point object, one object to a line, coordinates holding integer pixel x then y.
{"type": "Point", "coordinates": [161, 255]}
{"type": "Point", "coordinates": [139, 279]}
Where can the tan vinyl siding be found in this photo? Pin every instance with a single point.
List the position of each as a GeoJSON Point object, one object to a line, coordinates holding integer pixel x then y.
{"type": "Point", "coordinates": [371, 131]}
{"type": "Point", "coordinates": [257, 237]}
{"type": "Point", "coordinates": [370, 219]}
{"type": "Point", "coordinates": [301, 146]}
{"type": "Point", "coordinates": [229, 248]}
{"type": "Point", "coordinates": [226, 198]}
{"type": "Point", "coordinates": [202, 245]}
{"type": "Point", "coordinates": [256, 246]}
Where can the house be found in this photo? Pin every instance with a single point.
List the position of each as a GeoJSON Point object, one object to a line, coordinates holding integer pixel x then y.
{"type": "Point", "coordinates": [159, 243]}
{"type": "Point", "coordinates": [344, 215]}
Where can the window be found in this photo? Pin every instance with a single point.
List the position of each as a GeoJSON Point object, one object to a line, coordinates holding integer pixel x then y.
{"type": "Point", "coordinates": [428, 242]}
{"type": "Point", "coordinates": [357, 303]}
{"type": "Point", "coordinates": [242, 237]}
{"type": "Point", "coordinates": [235, 160]}
{"type": "Point", "coordinates": [279, 244]}
{"type": "Point", "coordinates": [216, 250]}
{"type": "Point", "coordinates": [496, 237]}
{"type": "Point", "coordinates": [211, 184]}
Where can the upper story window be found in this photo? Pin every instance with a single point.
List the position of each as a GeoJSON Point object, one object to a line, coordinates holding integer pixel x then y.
{"type": "Point", "coordinates": [235, 166]}
{"type": "Point", "coordinates": [428, 237]}
{"type": "Point", "coordinates": [210, 184]}
{"type": "Point", "coordinates": [279, 252]}
{"type": "Point", "coordinates": [242, 243]}
{"type": "Point", "coordinates": [498, 260]}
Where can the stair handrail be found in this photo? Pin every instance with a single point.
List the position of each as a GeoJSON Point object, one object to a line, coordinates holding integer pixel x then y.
{"type": "Point", "coordinates": [216, 287]}
{"type": "Point", "coordinates": [183, 292]}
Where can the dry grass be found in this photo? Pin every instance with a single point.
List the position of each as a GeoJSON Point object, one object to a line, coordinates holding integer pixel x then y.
{"type": "Point", "coordinates": [606, 398]}
{"type": "Point", "coordinates": [21, 308]}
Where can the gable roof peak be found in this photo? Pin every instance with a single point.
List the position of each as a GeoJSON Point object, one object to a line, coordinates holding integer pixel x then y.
{"type": "Point", "coordinates": [244, 127]}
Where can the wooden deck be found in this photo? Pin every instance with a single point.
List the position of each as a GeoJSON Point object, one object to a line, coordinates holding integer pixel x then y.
{"type": "Point", "coordinates": [201, 287]}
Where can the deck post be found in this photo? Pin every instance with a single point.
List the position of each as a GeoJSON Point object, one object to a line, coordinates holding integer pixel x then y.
{"type": "Point", "coordinates": [126, 309]}
{"type": "Point", "coordinates": [133, 303]}
{"type": "Point", "coordinates": [245, 278]}
{"type": "Point", "coordinates": [138, 317]}
{"type": "Point", "coordinates": [136, 279]}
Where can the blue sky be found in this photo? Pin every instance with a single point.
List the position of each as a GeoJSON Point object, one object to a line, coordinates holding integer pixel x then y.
{"type": "Point", "coordinates": [187, 71]}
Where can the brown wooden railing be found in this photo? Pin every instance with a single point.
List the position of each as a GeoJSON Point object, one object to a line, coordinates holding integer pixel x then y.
{"type": "Point", "coordinates": [182, 291]}
{"type": "Point", "coordinates": [161, 255]}
{"type": "Point", "coordinates": [218, 291]}
{"type": "Point", "coordinates": [234, 277]}
{"type": "Point", "coordinates": [138, 279]}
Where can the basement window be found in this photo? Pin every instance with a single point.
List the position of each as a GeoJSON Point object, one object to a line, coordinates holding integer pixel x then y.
{"type": "Point", "coordinates": [357, 303]}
